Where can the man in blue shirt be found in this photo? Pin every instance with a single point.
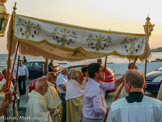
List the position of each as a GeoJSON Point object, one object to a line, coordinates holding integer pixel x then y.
{"type": "Point", "coordinates": [24, 75]}
{"type": "Point", "coordinates": [61, 84]}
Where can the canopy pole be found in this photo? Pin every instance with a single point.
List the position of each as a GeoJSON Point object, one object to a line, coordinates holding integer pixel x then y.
{"type": "Point", "coordinates": [15, 88]}
{"type": "Point", "coordinates": [104, 68]}
{"type": "Point", "coordinates": [116, 97]}
{"type": "Point", "coordinates": [9, 55]}
{"type": "Point", "coordinates": [13, 65]}
{"type": "Point", "coordinates": [145, 74]}
{"type": "Point", "coordinates": [10, 46]}
{"type": "Point", "coordinates": [148, 28]}
{"type": "Point", "coordinates": [17, 47]}
{"type": "Point", "coordinates": [105, 61]}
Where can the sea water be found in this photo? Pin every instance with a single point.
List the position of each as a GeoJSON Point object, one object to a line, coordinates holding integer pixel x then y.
{"type": "Point", "coordinates": [118, 64]}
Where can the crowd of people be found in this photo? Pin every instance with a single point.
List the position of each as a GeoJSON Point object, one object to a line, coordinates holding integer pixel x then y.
{"type": "Point", "coordinates": [80, 98]}
{"type": "Point", "coordinates": [17, 79]}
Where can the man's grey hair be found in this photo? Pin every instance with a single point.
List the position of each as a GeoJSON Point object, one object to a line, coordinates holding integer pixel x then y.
{"type": "Point", "coordinates": [39, 83]}
{"type": "Point", "coordinates": [63, 69]}
{"type": "Point", "coordinates": [76, 73]}
{"type": "Point", "coordinates": [135, 77]}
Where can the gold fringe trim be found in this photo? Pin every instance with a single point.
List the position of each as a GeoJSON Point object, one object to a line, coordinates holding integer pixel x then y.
{"type": "Point", "coordinates": [80, 49]}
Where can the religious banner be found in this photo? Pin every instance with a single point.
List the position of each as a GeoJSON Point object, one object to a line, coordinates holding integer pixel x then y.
{"type": "Point", "coordinates": [69, 42]}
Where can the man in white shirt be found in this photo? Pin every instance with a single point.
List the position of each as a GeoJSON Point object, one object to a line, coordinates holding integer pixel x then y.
{"type": "Point", "coordinates": [94, 108]}
{"type": "Point", "coordinates": [74, 97]}
{"type": "Point", "coordinates": [61, 84]}
{"type": "Point", "coordinates": [52, 97]}
{"type": "Point", "coordinates": [135, 107]}
{"type": "Point", "coordinates": [37, 109]}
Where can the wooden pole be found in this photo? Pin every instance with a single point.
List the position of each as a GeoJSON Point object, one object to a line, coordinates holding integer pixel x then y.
{"type": "Point", "coordinates": [145, 73]}
{"type": "Point", "coordinates": [14, 60]}
{"type": "Point", "coordinates": [15, 57]}
{"type": "Point", "coordinates": [104, 68]}
{"type": "Point", "coordinates": [16, 80]}
{"type": "Point", "coordinates": [9, 56]}
{"type": "Point", "coordinates": [116, 97]}
{"type": "Point", "coordinates": [105, 62]}
{"type": "Point", "coordinates": [9, 49]}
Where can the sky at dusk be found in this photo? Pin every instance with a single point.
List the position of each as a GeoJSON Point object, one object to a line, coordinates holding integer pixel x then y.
{"type": "Point", "coordinates": [117, 15]}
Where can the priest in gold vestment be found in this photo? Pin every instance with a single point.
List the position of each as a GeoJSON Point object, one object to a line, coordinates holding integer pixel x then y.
{"type": "Point", "coordinates": [74, 97]}
{"type": "Point", "coordinates": [53, 99]}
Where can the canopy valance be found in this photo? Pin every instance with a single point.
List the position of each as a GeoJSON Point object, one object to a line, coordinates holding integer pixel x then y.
{"type": "Point", "coordinates": [68, 42]}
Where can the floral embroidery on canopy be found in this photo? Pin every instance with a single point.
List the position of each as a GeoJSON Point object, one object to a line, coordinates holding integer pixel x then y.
{"type": "Point", "coordinates": [28, 29]}
{"type": "Point", "coordinates": [70, 42]}
{"type": "Point", "coordinates": [98, 42]}
{"type": "Point", "coordinates": [132, 46]}
{"type": "Point", "coordinates": [64, 36]}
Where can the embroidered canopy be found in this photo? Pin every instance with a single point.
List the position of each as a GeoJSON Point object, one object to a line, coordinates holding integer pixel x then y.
{"type": "Point", "coordinates": [61, 41]}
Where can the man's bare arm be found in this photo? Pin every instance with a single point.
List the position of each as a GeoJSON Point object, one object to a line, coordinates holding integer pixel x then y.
{"type": "Point", "coordinates": [63, 86]}
{"type": "Point", "coordinates": [119, 81]}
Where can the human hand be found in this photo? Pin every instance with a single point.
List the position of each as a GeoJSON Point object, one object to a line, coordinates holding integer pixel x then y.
{"type": "Point", "coordinates": [104, 70]}
{"type": "Point", "coordinates": [15, 84]}
{"type": "Point", "coordinates": [58, 91]}
{"type": "Point", "coordinates": [14, 92]}
{"type": "Point", "coordinates": [8, 92]}
{"type": "Point", "coordinates": [51, 110]}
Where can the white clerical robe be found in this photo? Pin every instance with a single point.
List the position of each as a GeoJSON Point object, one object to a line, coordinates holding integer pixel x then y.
{"type": "Point", "coordinates": [37, 110]}
{"type": "Point", "coordinates": [2, 98]}
{"type": "Point", "coordinates": [74, 101]}
{"type": "Point", "coordinates": [149, 110]}
{"type": "Point", "coordinates": [54, 101]}
{"type": "Point", "coordinates": [73, 90]}
{"type": "Point", "coordinates": [159, 96]}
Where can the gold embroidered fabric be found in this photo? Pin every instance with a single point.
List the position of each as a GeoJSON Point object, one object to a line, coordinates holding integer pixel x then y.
{"type": "Point", "coordinates": [68, 42]}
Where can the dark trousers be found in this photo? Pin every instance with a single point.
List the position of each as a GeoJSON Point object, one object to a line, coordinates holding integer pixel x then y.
{"type": "Point", "coordinates": [64, 107]}
{"type": "Point", "coordinates": [22, 81]}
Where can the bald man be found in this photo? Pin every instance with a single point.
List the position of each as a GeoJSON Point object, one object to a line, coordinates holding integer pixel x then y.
{"type": "Point", "coordinates": [52, 97]}
{"type": "Point", "coordinates": [37, 109]}
{"type": "Point", "coordinates": [135, 107]}
{"type": "Point", "coordinates": [74, 97]}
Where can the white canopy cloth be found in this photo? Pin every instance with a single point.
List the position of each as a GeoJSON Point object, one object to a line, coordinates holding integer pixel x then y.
{"type": "Point", "coordinates": [68, 42]}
